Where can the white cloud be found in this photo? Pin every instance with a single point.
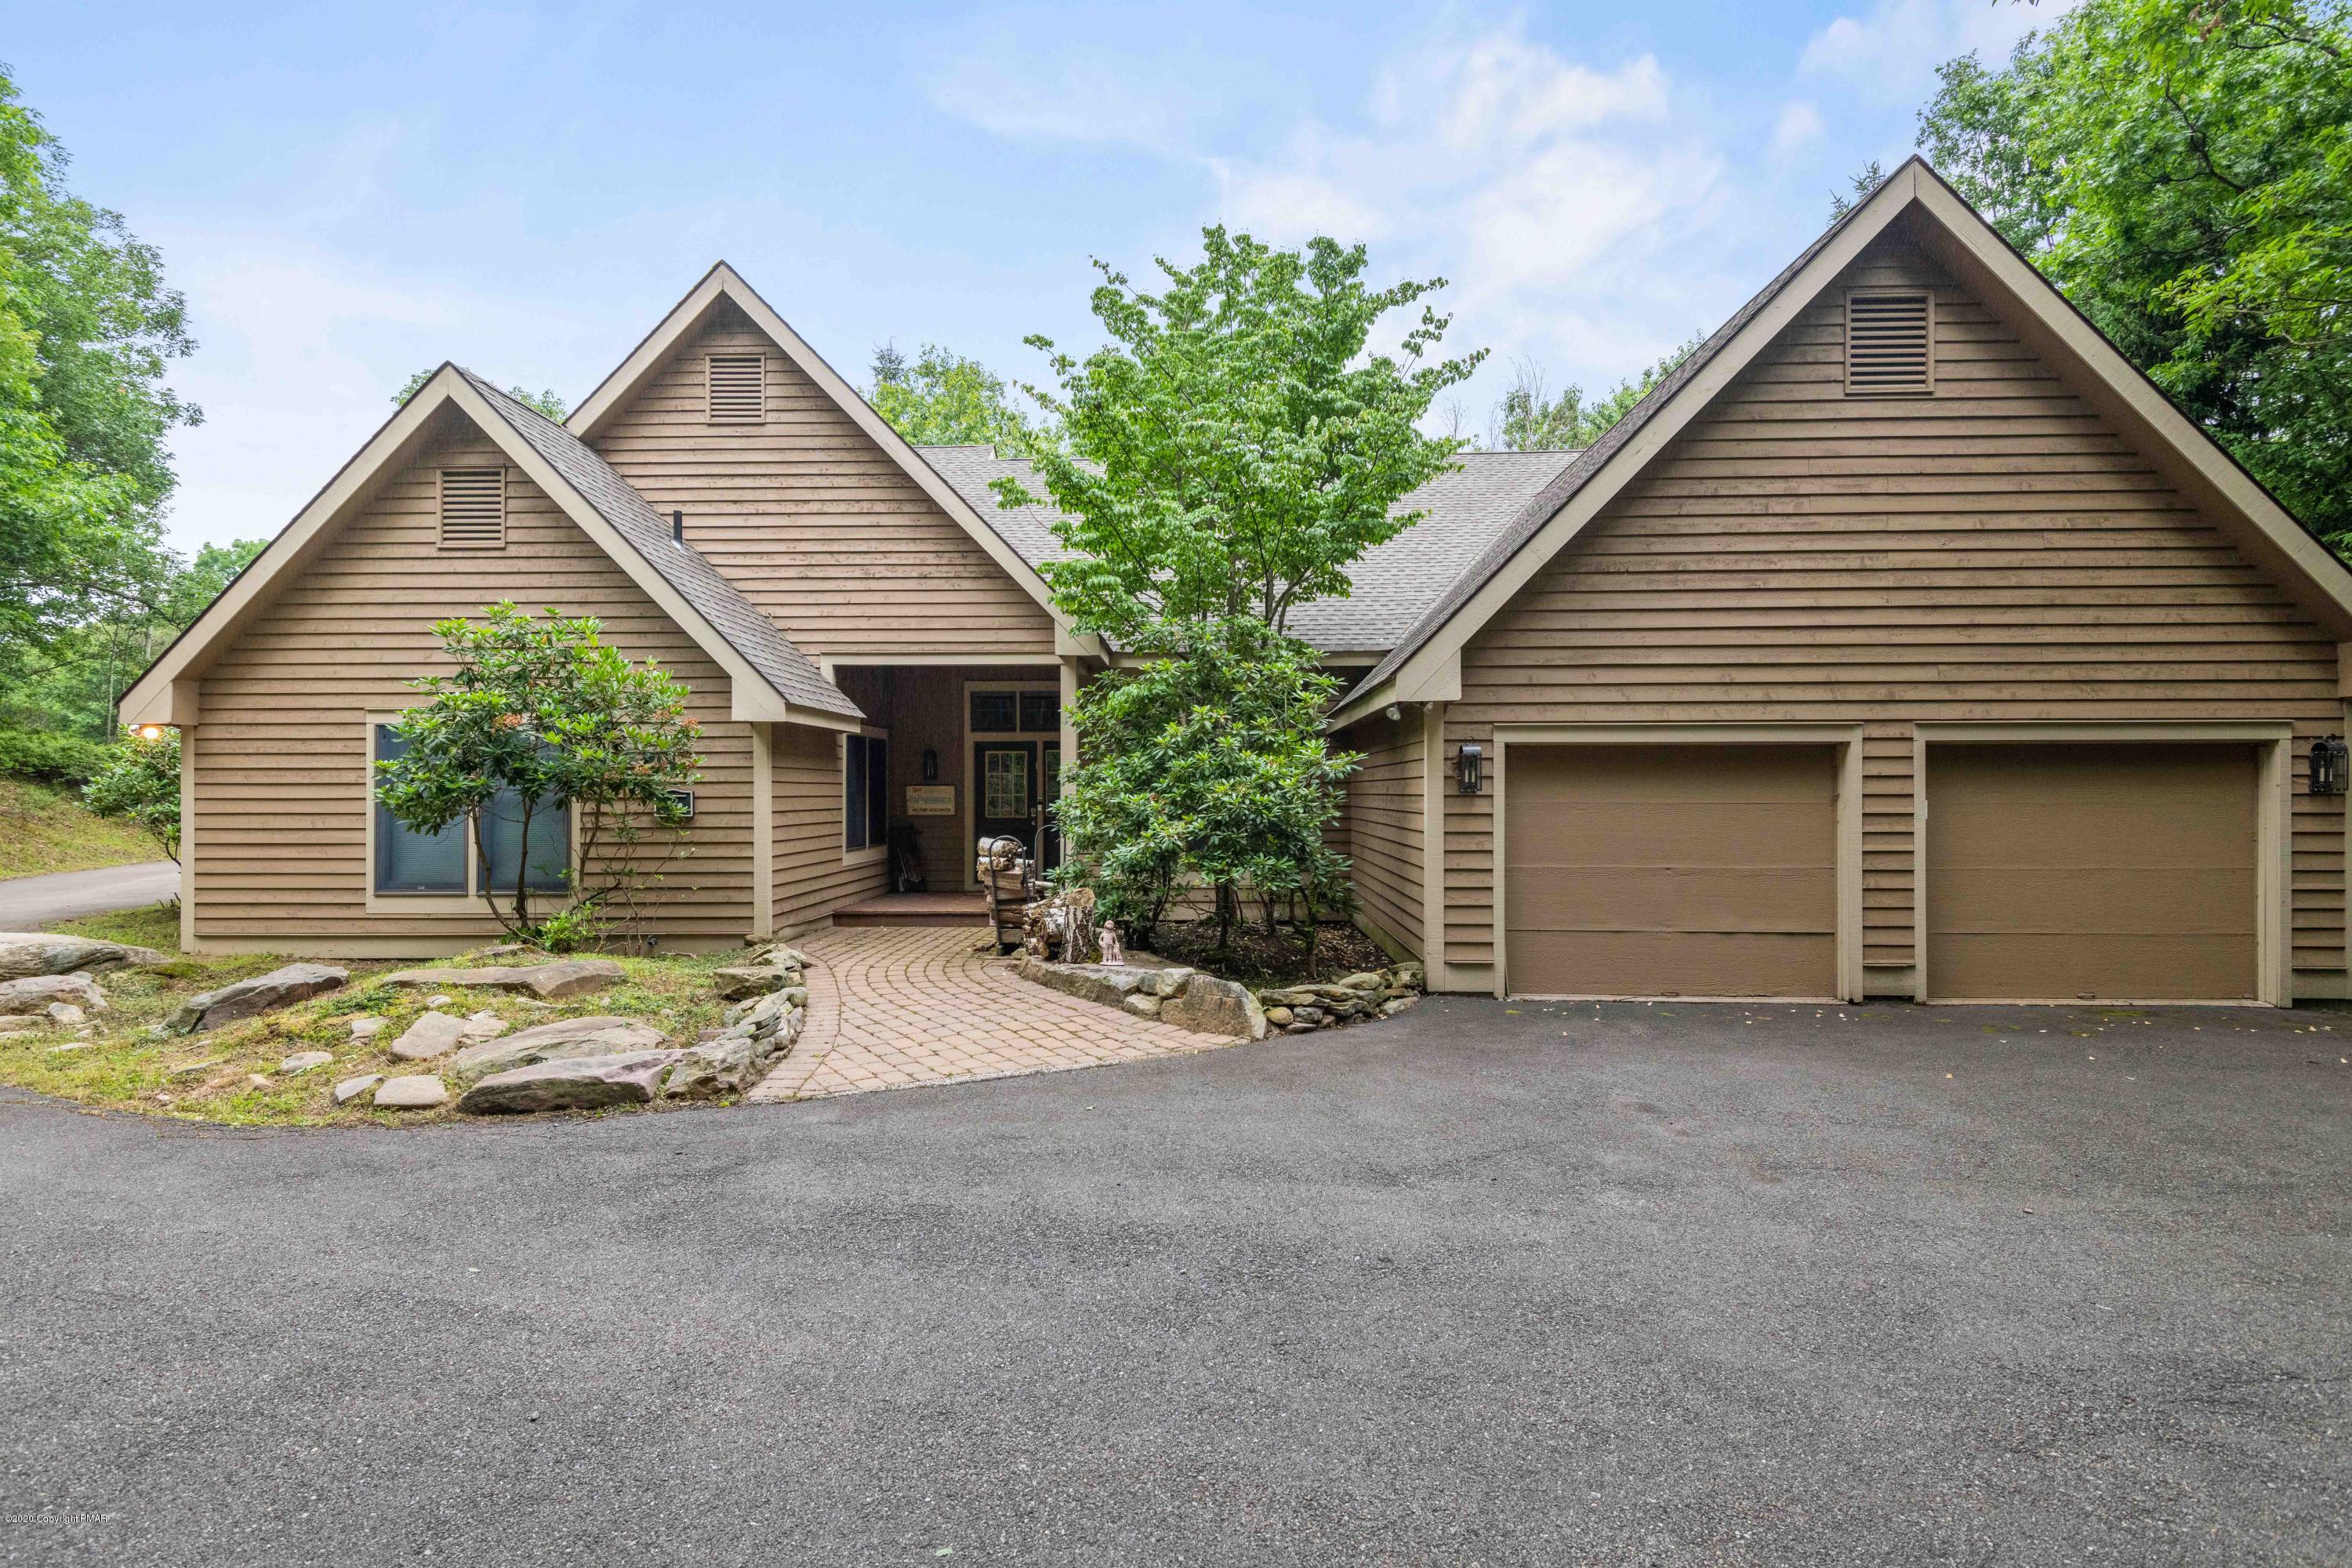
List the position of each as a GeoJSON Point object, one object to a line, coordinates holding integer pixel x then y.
{"type": "Point", "coordinates": [1892, 53]}
{"type": "Point", "coordinates": [1798, 126]}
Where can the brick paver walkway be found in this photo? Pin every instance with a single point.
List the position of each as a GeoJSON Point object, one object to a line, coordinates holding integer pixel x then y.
{"type": "Point", "coordinates": [893, 1006]}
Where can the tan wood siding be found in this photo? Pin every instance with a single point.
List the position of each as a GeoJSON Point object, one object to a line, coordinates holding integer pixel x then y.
{"type": "Point", "coordinates": [812, 877]}
{"type": "Point", "coordinates": [1995, 551]}
{"type": "Point", "coordinates": [2059, 872]}
{"type": "Point", "coordinates": [1680, 870]}
{"type": "Point", "coordinates": [281, 789]}
{"type": "Point", "coordinates": [1382, 823]}
{"type": "Point", "coordinates": [810, 519]}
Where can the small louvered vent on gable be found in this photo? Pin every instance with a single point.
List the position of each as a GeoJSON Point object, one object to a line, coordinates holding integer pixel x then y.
{"type": "Point", "coordinates": [473, 509]}
{"type": "Point", "coordinates": [1889, 344]}
{"type": "Point", "coordinates": [739, 387]}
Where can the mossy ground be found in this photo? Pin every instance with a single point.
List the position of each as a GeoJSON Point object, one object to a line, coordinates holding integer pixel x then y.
{"type": "Point", "coordinates": [210, 1077]}
{"type": "Point", "coordinates": [46, 828]}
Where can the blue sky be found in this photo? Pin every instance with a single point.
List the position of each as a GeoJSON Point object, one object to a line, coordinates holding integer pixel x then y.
{"type": "Point", "coordinates": [347, 194]}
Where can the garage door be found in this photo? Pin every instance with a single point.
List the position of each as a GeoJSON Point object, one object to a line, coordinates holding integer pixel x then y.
{"type": "Point", "coordinates": [1681, 870]}
{"type": "Point", "coordinates": [2062, 872]}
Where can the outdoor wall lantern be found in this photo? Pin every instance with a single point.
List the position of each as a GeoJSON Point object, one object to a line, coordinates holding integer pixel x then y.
{"type": "Point", "coordinates": [1469, 764]}
{"type": "Point", "coordinates": [151, 733]}
{"type": "Point", "coordinates": [931, 766]}
{"type": "Point", "coordinates": [2328, 769]}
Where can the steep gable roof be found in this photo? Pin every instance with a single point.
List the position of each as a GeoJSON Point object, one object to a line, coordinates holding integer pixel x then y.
{"type": "Point", "coordinates": [1392, 585]}
{"type": "Point", "coordinates": [1425, 661]}
{"type": "Point", "coordinates": [723, 282]}
{"type": "Point", "coordinates": [771, 680]}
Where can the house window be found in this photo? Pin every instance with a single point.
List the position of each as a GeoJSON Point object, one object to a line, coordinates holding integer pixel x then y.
{"type": "Point", "coordinates": [995, 712]}
{"type": "Point", "coordinates": [1016, 712]}
{"type": "Point", "coordinates": [447, 864]}
{"type": "Point", "coordinates": [1890, 344]}
{"type": "Point", "coordinates": [1041, 711]}
{"type": "Point", "coordinates": [865, 792]}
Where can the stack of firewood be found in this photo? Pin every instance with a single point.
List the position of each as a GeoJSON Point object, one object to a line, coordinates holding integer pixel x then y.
{"type": "Point", "coordinates": [1004, 874]}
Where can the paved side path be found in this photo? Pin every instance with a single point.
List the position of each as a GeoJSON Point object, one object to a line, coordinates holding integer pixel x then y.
{"type": "Point", "coordinates": [28, 903]}
{"type": "Point", "coordinates": [894, 1006]}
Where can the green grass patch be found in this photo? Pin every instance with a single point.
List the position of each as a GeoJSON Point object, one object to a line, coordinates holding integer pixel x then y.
{"type": "Point", "coordinates": [122, 1065]}
{"type": "Point", "coordinates": [45, 828]}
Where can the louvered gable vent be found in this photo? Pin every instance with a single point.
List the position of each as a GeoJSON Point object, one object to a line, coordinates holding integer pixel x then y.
{"type": "Point", "coordinates": [1890, 345]}
{"type": "Point", "coordinates": [738, 388]}
{"type": "Point", "coordinates": [473, 509]}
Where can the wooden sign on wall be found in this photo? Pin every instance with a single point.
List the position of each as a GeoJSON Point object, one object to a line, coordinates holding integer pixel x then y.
{"type": "Point", "coordinates": [930, 800]}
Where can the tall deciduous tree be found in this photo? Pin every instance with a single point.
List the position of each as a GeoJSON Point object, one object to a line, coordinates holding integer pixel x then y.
{"type": "Point", "coordinates": [2182, 170]}
{"type": "Point", "coordinates": [547, 403]}
{"type": "Point", "coordinates": [943, 399]}
{"type": "Point", "coordinates": [87, 332]}
{"type": "Point", "coordinates": [1238, 442]}
{"type": "Point", "coordinates": [1529, 418]}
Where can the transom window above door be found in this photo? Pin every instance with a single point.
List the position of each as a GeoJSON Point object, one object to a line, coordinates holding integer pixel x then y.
{"type": "Point", "coordinates": [1016, 712]}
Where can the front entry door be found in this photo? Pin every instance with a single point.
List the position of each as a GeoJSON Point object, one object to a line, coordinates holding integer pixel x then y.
{"type": "Point", "coordinates": [1014, 783]}
{"type": "Point", "coordinates": [1004, 791]}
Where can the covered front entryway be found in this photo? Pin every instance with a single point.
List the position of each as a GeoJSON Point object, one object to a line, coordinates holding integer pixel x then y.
{"type": "Point", "coordinates": [2120, 869]}
{"type": "Point", "coordinates": [953, 753]}
{"type": "Point", "coordinates": [1689, 868]}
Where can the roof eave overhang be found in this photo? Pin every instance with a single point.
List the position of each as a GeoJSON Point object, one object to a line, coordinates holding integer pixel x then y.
{"type": "Point", "coordinates": [1965, 242]}
{"type": "Point", "coordinates": [167, 692]}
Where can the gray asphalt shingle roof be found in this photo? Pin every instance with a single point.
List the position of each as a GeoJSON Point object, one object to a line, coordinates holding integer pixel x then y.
{"type": "Point", "coordinates": [1509, 539]}
{"type": "Point", "coordinates": [1394, 583]}
{"type": "Point", "coordinates": [792, 674]}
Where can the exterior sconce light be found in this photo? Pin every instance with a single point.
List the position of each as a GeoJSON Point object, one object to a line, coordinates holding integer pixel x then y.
{"type": "Point", "coordinates": [153, 732]}
{"type": "Point", "coordinates": [931, 766]}
{"type": "Point", "coordinates": [2328, 765]}
{"type": "Point", "coordinates": [1469, 768]}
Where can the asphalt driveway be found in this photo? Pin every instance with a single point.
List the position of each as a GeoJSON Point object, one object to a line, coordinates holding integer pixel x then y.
{"type": "Point", "coordinates": [1614, 1285]}
{"type": "Point", "coordinates": [32, 903]}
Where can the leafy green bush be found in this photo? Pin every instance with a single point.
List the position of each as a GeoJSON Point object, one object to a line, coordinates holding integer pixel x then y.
{"type": "Point", "coordinates": [1208, 764]}
{"type": "Point", "coordinates": [141, 785]}
{"type": "Point", "coordinates": [47, 758]}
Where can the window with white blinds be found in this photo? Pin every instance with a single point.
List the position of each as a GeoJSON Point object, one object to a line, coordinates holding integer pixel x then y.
{"type": "Point", "coordinates": [473, 509]}
{"type": "Point", "coordinates": [1890, 344]}
{"type": "Point", "coordinates": [739, 389]}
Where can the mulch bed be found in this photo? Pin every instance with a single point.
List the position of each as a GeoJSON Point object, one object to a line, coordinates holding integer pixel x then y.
{"type": "Point", "coordinates": [1258, 961]}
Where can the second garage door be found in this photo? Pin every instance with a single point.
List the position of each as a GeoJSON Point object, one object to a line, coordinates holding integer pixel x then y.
{"type": "Point", "coordinates": [2057, 873]}
{"type": "Point", "coordinates": [1671, 871]}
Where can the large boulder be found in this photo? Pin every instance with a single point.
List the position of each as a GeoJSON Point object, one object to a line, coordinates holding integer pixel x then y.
{"type": "Point", "coordinates": [727, 1065]}
{"type": "Point", "coordinates": [598, 1035]}
{"type": "Point", "coordinates": [47, 952]}
{"type": "Point", "coordinates": [419, 1091]}
{"type": "Point", "coordinates": [259, 995]}
{"type": "Point", "coordinates": [547, 982]}
{"type": "Point", "coordinates": [432, 1034]}
{"type": "Point", "coordinates": [576, 1083]}
{"type": "Point", "coordinates": [1110, 984]}
{"type": "Point", "coordinates": [38, 992]}
{"type": "Point", "coordinates": [751, 980]}
{"type": "Point", "coordinates": [1208, 1005]}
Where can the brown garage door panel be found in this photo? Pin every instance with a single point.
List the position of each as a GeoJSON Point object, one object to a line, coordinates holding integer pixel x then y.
{"type": "Point", "coordinates": [1641, 833]}
{"type": "Point", "coordinates": [1692, 870]}
{"type": "Point", "coordinates": [2142, 968]}
{"type": "Point", "coordinates": [2108, 901]}
{"type": "Point", "coordinates": [1691, 898]}
{"type": "Point", "coordinates": [1672, 963]}
{"type": "Point", "coordinates": [2112, 870]}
